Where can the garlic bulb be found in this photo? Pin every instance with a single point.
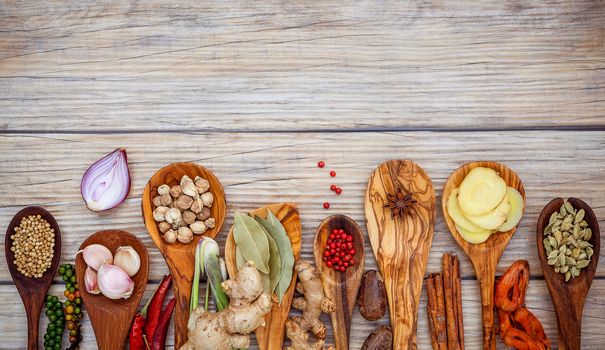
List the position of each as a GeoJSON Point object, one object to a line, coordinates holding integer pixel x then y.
{"type": "Point", "coordinates": [128, 260]}
{"type": "Point", "coordinates": [113, 282]}
{"type": "Point", "coordinates": [96, 255]}
{"type": "Point", "coordinates": [90, 281]}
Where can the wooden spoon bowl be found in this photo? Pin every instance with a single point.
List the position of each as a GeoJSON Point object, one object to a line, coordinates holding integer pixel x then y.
{"type": "Point", "coordinates": [568, 297]}
{"type": "Point", "coordinates": [111, 319]}
{"type": "Point", "coordinates": [271, 335]}
{"type": "Point", "coordinates": [32, 290]}
{"type": "Point", "coordinates": [341, 287]}
{"type": "Point", "coordinates": [483, 256]}
{"type": "Point", "coordinates": [181, 257]}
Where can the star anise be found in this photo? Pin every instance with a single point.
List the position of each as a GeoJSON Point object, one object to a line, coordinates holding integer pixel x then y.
{"type": "Point", "coordinates": [400, 203]}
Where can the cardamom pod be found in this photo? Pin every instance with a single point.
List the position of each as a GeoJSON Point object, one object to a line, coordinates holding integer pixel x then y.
{"type": "Point", "coordinates": [579, 215]}
{"type": "Point", "coordinates": [582, 264]}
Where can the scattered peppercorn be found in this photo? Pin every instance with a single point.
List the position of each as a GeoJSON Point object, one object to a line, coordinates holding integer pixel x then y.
{"type": "Point", "coordinates": [321, 164]}
{"type": "Point", "coordinates": [332, 173]}
{"type": "Point", "coordinates": [338, 190]}
{"type": "Point", "coordinates": [333, 187]}
{"type": "Point", "coordinates": [326, 205]}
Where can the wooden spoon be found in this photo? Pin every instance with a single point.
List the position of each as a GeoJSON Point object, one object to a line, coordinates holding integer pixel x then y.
{"type": "Point", "coordinates": [111, 319]}
{"type": "Point", "coordinates": [341, 287]}
{"type": "Point", "coordinates": [401, 244]}
{"type": "Point", "coordinates": [32, 290]}
{"type": "Point", "coordinates": [181, 257]}
{"type": "Point", "coordinates": [271, 335]}
{"type": "Point", "coordinates": [484, 256]}
{"type": "Point", "coordinates": [568, 297]}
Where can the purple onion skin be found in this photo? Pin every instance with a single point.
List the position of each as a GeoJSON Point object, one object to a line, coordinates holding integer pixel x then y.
{"type": "Point", "coordinates": [105, 163]}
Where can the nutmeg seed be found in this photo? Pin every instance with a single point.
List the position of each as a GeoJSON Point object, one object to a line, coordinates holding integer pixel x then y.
{"type": "Point", "coordinates": [372, 296]}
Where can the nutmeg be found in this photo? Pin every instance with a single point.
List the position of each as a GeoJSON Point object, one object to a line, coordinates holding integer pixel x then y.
{"type": "Point", "coordinates": [184, 202]}
{"type": "Point", "coordinates": [204, 214]}
{"type": "Point", "coordinates": [372, 296]}
{"type": "Point", "coordinates": [379, 339]}
{"type": "Point", "coordinates": [188, 217]}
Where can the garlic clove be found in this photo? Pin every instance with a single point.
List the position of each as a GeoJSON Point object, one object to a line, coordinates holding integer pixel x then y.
{"type": "Point", "coordinates": [114, 282]}
{"type": "Point", "coordinates": [96, 255]}
{"type": "Point", "coordinates": [90, 281]}
{"type": "Point", "coordinates": [128, 260]}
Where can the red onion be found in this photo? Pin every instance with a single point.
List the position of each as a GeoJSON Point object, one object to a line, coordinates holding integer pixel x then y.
{"type": "Point", "coordinates": [107, 182]}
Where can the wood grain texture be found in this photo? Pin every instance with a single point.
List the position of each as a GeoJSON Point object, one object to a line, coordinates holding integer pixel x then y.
{"type": "Point", "coordinates": [111, 319]}
{"type": "Point", "coordinates": [32, 290]}
{"type": "Point", "coordinates": [483, 256]}
{"type": "Point", "coordinates": [273, 65]}
{"type": "Point", "coordinates": [568, 297]}
{"type": "Point", "coordinates": [340, 287]}
{"type": "Point", "coordinates": [401, 245]}
{"type": "Point", "coordinates": [180, 257]}
{"type": "Point", "coordinates": [271, 335]}
{"type": "Point", "coordinates": [258, 168]}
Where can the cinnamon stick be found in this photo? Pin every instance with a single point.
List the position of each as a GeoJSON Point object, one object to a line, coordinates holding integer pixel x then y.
{"type": "Point", "coordinates": [450, 303]}
{"type": "Point", "coordinates": [458, 301]}
{"type": "Point", "coordinates": [436, 311]}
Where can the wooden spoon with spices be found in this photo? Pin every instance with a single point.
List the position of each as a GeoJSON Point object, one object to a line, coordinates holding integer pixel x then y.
{"type": "Point", "coordinates": [32, 290]}
{"type": "Point", "coordinates": [111, 319]}
{"type": "Point", "coordinates": [568, 297]}
{"type": "Point", "coordinates": [483, 256]}
{"type": "Point", "coordinates": [401, 235]}
{"type": "Point", "coordinates": [341, 287]}
{"type": "Point", "coordinates": [180, 257]}
{"type": "Point", "coordinates": [271, 335]}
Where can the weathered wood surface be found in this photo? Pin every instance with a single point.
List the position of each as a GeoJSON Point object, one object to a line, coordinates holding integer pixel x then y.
{"type": "Point", "coordinates": [258, 169]}
{"type": "Point", "coordinates": [78, 65]}
{"type": "Point", "coordinates": [204, 82]}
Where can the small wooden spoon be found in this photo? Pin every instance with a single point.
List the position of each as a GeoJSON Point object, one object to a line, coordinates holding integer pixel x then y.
{"type": "Point", "coordinates": [181, 257]}
{"type": "Point", "coordinates": [484, 256]}
{"type": "Point", "coordinates": [271, 335]}
{"type": "Point", "coordinates": [32, 290]}
{"type": "Point", "coordinates": [341, 287]}
{"type": "Point", "coordinates": [111, 319]}
{"type": "Point", "coordinates": [568, 297]}
{"type": "Point", "coordinates": [401, 244]}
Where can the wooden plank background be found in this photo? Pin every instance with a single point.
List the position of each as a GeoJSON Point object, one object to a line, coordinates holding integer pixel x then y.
{"type": "Point", "coordinates": [260, 91]}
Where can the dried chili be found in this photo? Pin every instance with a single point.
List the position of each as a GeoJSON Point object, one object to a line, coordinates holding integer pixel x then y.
{"type": "Point", "coordinates": [155, 307]}
{"type": "Point", "coordinates": [159, 338]}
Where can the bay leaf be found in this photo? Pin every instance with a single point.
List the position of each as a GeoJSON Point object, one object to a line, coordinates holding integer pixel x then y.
{"type": "Point", "coordinates": [277, 231]}
{"type": "Point", "coordinates": [239, 258]}
{"type": "Point", "coordinates": [252, 241]}
{"type": "Point", "coordinates": [274, 263]}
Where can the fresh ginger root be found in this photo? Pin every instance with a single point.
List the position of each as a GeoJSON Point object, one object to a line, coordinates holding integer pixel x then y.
{"type": "Point", "coordinates": [312, 305]}
{"type": "Point", "coordinates": [228, 329]}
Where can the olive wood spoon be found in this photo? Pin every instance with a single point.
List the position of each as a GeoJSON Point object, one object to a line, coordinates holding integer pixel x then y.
{"type": "Point", "coordinates": [401, 244]}
{"type": "Point", "coordinates": [32, 290]}
{"type": "Point", "coordinates": [111, 319]}
{"type": "Point", "coordinates": [341, 287]}
{"type": "Point", "coordinates": [483, 256]}
{"type": "Point", "coordinates": [180, 257]}
{"type": "Point", "coordinates": [271, 335]}
{"type": "Point", "coordinates": [568, 297]}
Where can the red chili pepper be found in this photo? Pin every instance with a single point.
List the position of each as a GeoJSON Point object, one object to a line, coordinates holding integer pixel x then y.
{"type": "Point", "coordinates": [159, 338]}
{"type": "Point", "coordinates": [155, 307]}
{"type": "Point", "coordinates": [136, 332]}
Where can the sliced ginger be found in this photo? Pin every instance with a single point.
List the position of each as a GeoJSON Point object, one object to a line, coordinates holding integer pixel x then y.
{"type": "Point", "coordinates": [516, 210]}
{"type": "Point", "coordinates": [481, 191]}
{"type": "Point", "coordinates": [493, 219]}
{"type": "Point", "coordinates": [454, 211]}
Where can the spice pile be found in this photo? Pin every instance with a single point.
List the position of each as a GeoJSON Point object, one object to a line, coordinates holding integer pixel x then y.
{"type": "Point", "coordinates": [339, 251]}
{"type": "Point", "coordinates": [108, 274]}
{"type": "Point", "coordinates": [184, 210]}
{"type": "Point", "coordinates": [333, 187]}
{"type": "Point", "coordinates": [567, 241]}
{"type": "Point", "coordinates": [444, 305]}
{"type": "Point", "coordinates": [519, 328]}
{"type": "Point", "coordinates": [484, 205]}
{"type": "Point", "coordinates": [33, 246]}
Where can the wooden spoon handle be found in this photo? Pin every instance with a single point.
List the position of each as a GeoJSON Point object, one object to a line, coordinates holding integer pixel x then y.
{"type": "Point", "coordinates": [486, 279]}
{"type": "Point", "coordinates": [33, 321]}
{"type": "Point", "coordinates": [182, 293]}
{"type": "Point", "coordinates": [570, 323]}
{"type": "Point", "coordinates": [341, 319]}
